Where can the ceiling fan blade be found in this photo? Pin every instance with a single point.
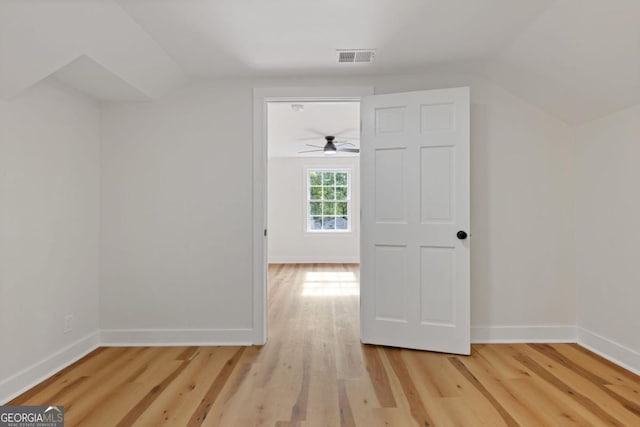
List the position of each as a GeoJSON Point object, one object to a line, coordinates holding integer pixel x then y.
{"type": "Point", "coordinates": [349, 150]}
{"type": "Point", "coordinates": [341, 143]}
{"type": "Point", "coordinates": [347, 130]}
{"type": "Point", "coordinates": [317, 132]}
{"type": "Point", "coordinates": [310, 138]}
{"type": "Point", "coordinates": [336, 134]}
{"type": "Point", "coordinates": [315, 138]}
{"type": "Point", "coordinates": [315, 146]}
{"type": "Point", "coordinates": [310, 151]}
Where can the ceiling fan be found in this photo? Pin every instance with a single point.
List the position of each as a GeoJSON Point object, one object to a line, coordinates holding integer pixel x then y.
{"type": "Point", "coordinates": [332, 147]}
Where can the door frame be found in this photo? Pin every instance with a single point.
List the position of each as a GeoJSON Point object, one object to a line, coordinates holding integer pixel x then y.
{"type": "Point", "coordinates": [259, 263]}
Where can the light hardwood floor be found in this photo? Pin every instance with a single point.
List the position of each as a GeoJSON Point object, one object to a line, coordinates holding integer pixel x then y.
{"type": "Point", "coordinates": [314, 372]}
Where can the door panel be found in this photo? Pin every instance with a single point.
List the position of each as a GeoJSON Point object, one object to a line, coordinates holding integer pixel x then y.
{"type": "Point", "coordinates": [415, 197]}
{"type": "Point", "coordinates": [437, 266]}
{"type": "Point", "coordinates": [389, 186]}
{"type": "Point", "coordinates": [436, 184]}
{"type": "Point", "coordinates": [391, 265]}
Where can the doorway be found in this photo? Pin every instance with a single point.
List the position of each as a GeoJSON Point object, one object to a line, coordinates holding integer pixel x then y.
{"type": "Point", "coordinates": [313, 189]}
{"type": "Point", "coordinates": [309, 198]}
{"type": "Point", "coordinates": [415, 161]}
{"type": "Point", "coordinates": [313, 205]}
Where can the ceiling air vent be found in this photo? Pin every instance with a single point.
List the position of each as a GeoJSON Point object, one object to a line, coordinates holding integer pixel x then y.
{"type": "Point", "coordinates": [356, 56]}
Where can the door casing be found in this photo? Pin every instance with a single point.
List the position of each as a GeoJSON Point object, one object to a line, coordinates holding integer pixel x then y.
{"type": "Point", "coordinates": [262, 96]}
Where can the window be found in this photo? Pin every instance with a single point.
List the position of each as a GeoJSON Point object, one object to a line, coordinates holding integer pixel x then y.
{"type": "Point", "coordinates": [328, 200]}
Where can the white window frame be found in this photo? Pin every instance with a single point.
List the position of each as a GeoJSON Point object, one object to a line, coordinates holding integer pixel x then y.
{"type": "Point", "coordinates": [308, 200]}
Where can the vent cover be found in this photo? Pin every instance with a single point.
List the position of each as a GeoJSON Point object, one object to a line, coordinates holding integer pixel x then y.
{"type": "Point", "coordinates": [356, 56]}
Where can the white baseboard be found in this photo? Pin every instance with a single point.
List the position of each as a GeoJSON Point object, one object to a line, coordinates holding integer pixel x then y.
{"type": "Point", "coordinates": [172, 337]}
{"type": "Point", "coordinates": [313, 260]}
{"type": "Point", "coordinates": [40, 371]}
{"type": "Point", "coordinates": [610, 350]}
{"type": "Point", "coordinates": [523, 334]}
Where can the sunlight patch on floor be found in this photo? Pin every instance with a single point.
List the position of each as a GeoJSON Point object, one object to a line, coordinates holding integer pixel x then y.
{"type": "Point", "coordinates": [330, 283]}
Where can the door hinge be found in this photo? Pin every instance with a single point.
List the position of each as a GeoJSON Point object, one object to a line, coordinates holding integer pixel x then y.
{"type": "Point", "coordinates": [265, 232]}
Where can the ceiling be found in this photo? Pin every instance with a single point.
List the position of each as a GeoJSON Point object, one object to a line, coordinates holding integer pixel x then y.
{"type": "Point", "coordinates": [289, 131]}
{"type": "Point", "coordinates": [578, 59]}
{"type": "Point", "coordinates": [256, 38]}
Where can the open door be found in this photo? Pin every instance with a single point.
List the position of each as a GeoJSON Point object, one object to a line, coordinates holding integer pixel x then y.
{"type": "Point", "coordinates": [415, 252]}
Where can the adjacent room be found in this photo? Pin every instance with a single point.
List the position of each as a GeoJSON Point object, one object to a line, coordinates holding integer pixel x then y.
{"type": "Point", "coordinates": [363, 213]}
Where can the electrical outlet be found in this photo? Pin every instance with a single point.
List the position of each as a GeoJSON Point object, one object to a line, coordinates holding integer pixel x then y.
{"type": "Point", "coordinates": [68, 323]}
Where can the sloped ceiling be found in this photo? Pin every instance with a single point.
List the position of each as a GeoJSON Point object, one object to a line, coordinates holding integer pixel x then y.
{"type": "Point", "coordinates": [40, 37]}
{"type": "Point", "coordinates": [578, 59]}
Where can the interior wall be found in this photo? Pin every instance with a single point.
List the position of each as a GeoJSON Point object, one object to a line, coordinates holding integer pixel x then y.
{"type": "Point", "coordinates": [288, 240]}
{"type": "Point", "coordinates": [607, 235]}
{"type": "Point", "coordinates": [176, 218]}
{"type": "Point", "coordinates": [49, 231]}
{"type": "Point", "coordinates": [177, 202]}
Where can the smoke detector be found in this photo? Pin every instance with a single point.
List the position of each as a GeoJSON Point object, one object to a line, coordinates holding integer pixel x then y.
{"type": "Point", "coordinates": [355, 56]}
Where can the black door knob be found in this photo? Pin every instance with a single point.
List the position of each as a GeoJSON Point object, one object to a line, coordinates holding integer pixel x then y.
{"type": "Point", "coordinates": [461, 235]}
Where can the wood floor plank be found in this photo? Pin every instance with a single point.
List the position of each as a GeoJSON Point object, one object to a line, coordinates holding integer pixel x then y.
{"type": "Point", "coordinates": [545, 401]}
{"type": "Point", "coordinates": [522, 413]}
{"type": "Point", "coordinates": [624, 373]}
{"type": "Point", "coordinates": [137, 411]}
{"type": "Point", "coordinates": [626, 412]}
{"type": "Point", "coordinates": [434, 372]}
{"type": "Point", "coordinates": [346, 414]}
{"type": "Point", "coordinates": [214, 390]}
{"type": "Point", "coordinates": [183, 395]}
{"type": "Point", "coordinates": [59, 377]}
{"type": "Point", "coordinates": [93, 397]}
{"type": "Point", "coordinates": [581, 398]}
{"type": "Point", "coordinates": [613, 374]}
{"type": "Point", "coordinates": [378, 376]}
{"type": "Point", "coordinates": [506, 416]}
{"type": "Point", "coordinates": [313, 371]}
{"type": "Point", "coordinates": [364, 403]}
{"type": "Point", "coordinates": [416, 404]}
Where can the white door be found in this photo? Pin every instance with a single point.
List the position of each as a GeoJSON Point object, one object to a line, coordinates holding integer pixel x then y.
{"type": "Point", "coordinates": [415, 220]}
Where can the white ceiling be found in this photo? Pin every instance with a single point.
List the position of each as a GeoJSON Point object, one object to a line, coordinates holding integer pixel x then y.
{"type": "Point", "coordinates": [95, 40]}
{"type": "Point", "coordinates": [252, 37]}
{"type": "Point", "coordinates": [289, 131]}
{"type": "Point", "coordinates": [578, 59]}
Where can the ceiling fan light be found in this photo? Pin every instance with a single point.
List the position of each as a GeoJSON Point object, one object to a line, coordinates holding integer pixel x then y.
{"type": "Point", "coordinates": [330, 147]}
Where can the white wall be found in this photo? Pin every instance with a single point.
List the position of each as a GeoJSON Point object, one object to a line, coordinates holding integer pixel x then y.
{"type": "Point", "coordinates": [49, 225]}
{"type": "Point", "coordinates": [176, 216]}
{"type": "Point", "coordinates": [607, 235]}
{"type": "Point", "coordinates": [289, 241]}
